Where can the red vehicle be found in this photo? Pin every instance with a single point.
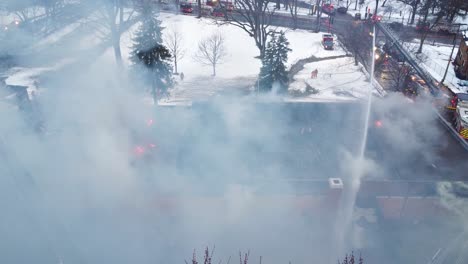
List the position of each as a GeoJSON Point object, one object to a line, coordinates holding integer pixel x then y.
{"type": "Point", "coordinates": [221, 4]}
{"type": "Point", "coordinates": [327, 41]}
{"type": "Point", "coordinates": [422, 26]}
{"type": "Point", "coordinates": [328, 9]}
{"type": "Point", "coordinates": [186, 8]}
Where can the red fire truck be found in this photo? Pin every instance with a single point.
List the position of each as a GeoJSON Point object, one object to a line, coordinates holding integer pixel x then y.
{"type": "Point", "coordinates": [459, 106]}
{"type": "Point", "coordinates": [327, 41]}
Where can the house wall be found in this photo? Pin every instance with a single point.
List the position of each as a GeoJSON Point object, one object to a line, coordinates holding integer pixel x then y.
{"type": "Point", "coordinates": [461, 60]}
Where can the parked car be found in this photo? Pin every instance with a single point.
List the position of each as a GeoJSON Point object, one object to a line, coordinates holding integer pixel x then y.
{"type": "Point", "coordinates": [226, 5]}
{"type": "Point", "coordinates": [218, 12]}
{"type": "Point", "coordinates": [328, 9]}
{"type": "Point", "coordinates": [342, 10]}
{"type": "Point", "coordinates": [357, 16]}
{"type": "Point", "coordinates": [206, 10]}
{"type": "Point", "coordinates": [397, 26]}
{"type": "Point", "coordinates": [186, 8]}
{"type": "Point", "coordinates": [463, 82]}
{"type": "Point", "coordinates": [422, 26]}
{"type": "Point", "coordinates": [444, 27]}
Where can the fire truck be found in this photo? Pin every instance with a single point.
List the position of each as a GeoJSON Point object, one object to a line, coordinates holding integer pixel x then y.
{"type": "Point", "coordinates": [459, 104]}
{"type": "Point", "coordinates": [327, 41]}
{"type": "Point", "coordinates": [461, 118]}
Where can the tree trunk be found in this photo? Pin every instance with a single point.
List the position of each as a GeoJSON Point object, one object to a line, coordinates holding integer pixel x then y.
{"type": "Point", "coordinates": [424, 35]}
{"type": "Point", "coordinates": [116, 44]}
{"type": "Point", "coordinates": [319, 13]}
{"type": "Point", "coordinates": [413, 13]}
{"type": "Point", "coordinates": [376, 7]}
{"type": "Point", "coordinates": [199, 8]}
{"type": "Point", "coordinates": [452, 16]}
{"type": "Point", "coordinates": [384, 2]}
{"type": "Point", "coordinates": [295, 14]}
{"type": "Point", "coordinates": [214, 69]}
{"type": "Point", "coordinates": [278, 4]}
{"type": "Point", "coordinates": [355, 59]}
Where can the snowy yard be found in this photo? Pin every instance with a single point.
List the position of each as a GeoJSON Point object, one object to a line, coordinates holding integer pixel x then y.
{"type": "Point", "coordinates": [434, 59]}
{"type": "Point", "coordinates": [337, 79]}
{"type": "Point", "coordinates": [241, 66]}
{"type": "Point", "coordinates": [239, 70]}
{"type": "Point", "coordinates": [242, 52]}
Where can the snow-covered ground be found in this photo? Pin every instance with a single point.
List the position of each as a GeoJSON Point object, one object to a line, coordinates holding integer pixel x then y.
{"type": "Point", "coordinates": [241, 60]}
{"type": "Point", "coordinates": [434, 59]}
{"type": "Point", "coordinates": [337, 79]}
{"type": "Point", "coordinates": [29, 76]}
{"type": "Point", "coordinates": [60, 48]}
{"type": "Point", "coordinates": [241, 67]}
{"type": "Point", "coordinates": [389, 12]}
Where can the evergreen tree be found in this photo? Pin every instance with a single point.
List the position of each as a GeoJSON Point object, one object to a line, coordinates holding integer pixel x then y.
{"type": "Point", "coordinates": [265, 78]}
{"type": "Point", "coordinates": [278, 69]}
{"type": "Point", "coordinates": [149, 56]}
{"type": "Point", "coordinates": [273, 63]}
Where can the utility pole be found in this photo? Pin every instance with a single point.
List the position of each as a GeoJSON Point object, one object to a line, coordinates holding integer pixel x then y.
{"type": "Point", "coordinates": [451, 53]}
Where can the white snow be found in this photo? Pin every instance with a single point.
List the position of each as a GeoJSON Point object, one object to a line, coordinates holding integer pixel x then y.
{"type": "Point", "coordinates": [241, 48]}
{"type": "Point", "coordinates": [390, 12]}
{"type": "Point", "coordinates": [239, 70]}
{"type": "Point", "coordinates": [337, 79]}
{"type": "Point", "coordinates": [29, 76]}
{"type": "Point", "coordinates": [434, 59]}
{"type": "Point", "coordinates": [241, 66]}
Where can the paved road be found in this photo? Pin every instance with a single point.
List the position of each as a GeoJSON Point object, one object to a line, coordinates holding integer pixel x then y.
{"type": "Point", "coordinates": [310, 141]}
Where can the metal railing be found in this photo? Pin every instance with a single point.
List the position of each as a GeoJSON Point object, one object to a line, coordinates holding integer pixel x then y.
{"type": "Point", "coordinates": [411, 58]}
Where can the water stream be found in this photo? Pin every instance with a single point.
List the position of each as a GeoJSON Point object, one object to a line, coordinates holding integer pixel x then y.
{"type": "Point", "coordinates": [344, 221]}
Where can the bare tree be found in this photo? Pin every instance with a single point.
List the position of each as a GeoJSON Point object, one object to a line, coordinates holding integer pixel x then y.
{"type": "Point", "coordinates": [376, 7]}
{"type": "Point", "coordinates": [252, 16]}
{"type": "Point", "coordinates": [116, 20]}
{"type": "Point", "coordinates": [428, 4]}
{"type": "Point", "coordinates": [352, 38]}
{"type": "Point", "coordinates": [414, 7]}
{"type": "Point", "coordinates": [199, 8]}
{"type": "Point", "coordinates": [318, 5]}
{"type": "Point", "coordinates": [174, 42]}
{"type": "Point", "coordinates": [211, 51]}
{"type": "Point", "coordinates": [397, 74]}
{"type": "Point", "coordinates": [52, 7]}
{"type": "Point", "coordinates": [292, 5]}
{"type": "Point", "coordinates": [23, 9]}
{"type": "Point", "coordinates": [454, 8]}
